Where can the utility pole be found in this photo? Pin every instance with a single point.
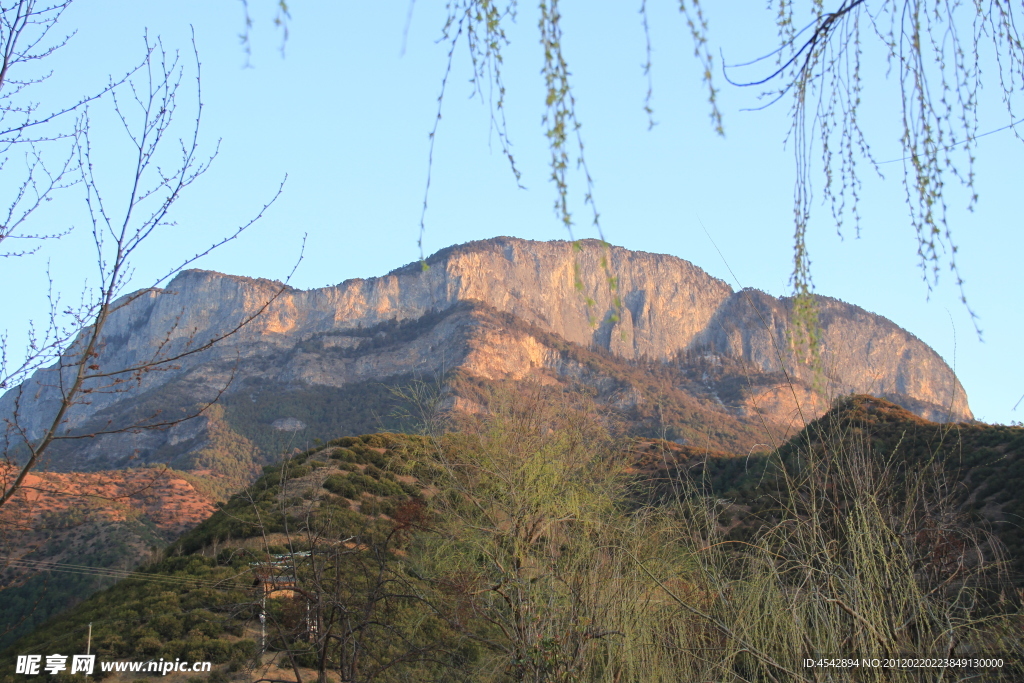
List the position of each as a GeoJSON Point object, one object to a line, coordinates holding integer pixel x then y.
{"type": "Point", "coordinates": [263, 626]}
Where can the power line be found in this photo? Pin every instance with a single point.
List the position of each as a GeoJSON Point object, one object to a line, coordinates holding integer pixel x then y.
{"type": "Point", "coordinates": [956, 144]}
{"type": "Point", "coordinates": [86, 570]}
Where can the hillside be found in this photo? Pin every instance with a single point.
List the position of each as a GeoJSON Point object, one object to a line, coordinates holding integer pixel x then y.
{"type": "Point", "coordinates": [198, 602]}
{"type": "Point", "coordinates": [101, 522]}
{"type": "Point", "coordinates": [981, 468]}
{"type": "Point", "coordinates": [365, 506]}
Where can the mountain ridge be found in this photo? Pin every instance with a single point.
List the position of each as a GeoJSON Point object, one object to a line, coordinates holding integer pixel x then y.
{"type": "Point", "coordinates": [400, 324]}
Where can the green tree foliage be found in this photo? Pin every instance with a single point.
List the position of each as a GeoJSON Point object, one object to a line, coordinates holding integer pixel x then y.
{"type": "Point", "coordinates": [535, 553]}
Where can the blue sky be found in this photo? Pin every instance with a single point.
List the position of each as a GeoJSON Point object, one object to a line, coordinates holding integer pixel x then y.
{"type": "Point", "coordinates": [345, 114]}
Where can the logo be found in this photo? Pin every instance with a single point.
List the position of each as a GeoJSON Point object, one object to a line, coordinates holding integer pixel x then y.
{"type": "Point", "coordinates": [32, 665]}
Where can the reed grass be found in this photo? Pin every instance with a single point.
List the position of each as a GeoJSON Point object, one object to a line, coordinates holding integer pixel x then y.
{"type": "Point", "coordinates": [543, 555]}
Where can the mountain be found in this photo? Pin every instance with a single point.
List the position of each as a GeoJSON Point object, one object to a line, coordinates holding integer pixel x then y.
{"type": "Point", "coordinates": [666, 350]}
{"type": "Point", "coordinates": [673, 351]}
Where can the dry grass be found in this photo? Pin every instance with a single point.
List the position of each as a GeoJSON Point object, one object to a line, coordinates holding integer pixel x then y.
{"type": "Point", "coordinates": [563, 579]}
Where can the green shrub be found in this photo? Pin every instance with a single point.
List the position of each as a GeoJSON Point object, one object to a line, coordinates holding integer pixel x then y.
{"type": "Point", "coordinates": [169, 626]}
{"type": "Point", "coordinates": [361, 482]}
{"type": "Point", "coordinates": [243, 649]}
{"type": "Point", "coordinates": [148, 646]}
{"type": "Point", "coordinates": [297, 471]}
{"type": "Point", "coordinates": [343, 454]}
{"type": "Point", "coordinates": [370, 506]}
{"type": "Point", "coordinates": [340, 484]}
{"type": "Point", "coordinates": [218, 650]}
{"type": "Point", "coordinates": [387, 488]}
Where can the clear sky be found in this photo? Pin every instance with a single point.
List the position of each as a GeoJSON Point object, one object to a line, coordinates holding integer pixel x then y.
{"type": "Point", "coordinates": [345, 114]}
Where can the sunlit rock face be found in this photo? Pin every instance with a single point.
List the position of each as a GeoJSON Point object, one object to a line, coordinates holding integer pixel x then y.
{"type": "Point", "coordinates": [499, 309]}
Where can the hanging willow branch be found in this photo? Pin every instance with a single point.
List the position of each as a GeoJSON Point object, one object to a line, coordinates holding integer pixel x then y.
{"type": "Point", "coordinates": [935, 48]}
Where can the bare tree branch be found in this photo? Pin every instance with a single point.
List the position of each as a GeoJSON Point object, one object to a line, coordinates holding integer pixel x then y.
{"type": "Point", "coordinates": [146, 200]}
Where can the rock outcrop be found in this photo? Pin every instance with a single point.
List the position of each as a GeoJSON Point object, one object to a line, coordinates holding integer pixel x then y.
{"type": "Point", "coordinates": [497, 309]}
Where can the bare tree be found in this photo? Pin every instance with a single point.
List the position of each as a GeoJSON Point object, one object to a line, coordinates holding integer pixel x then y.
{"type": "Point", "coordinates": [52, 151]}
{"type": "Point", "coordinates": [122, 216]}
{"type": "Point", "coordinates": [25, 28]}
{"type": "Point", "coordinates": [66, 365]}
{"type": "Point", "coordinates": [37, 159]}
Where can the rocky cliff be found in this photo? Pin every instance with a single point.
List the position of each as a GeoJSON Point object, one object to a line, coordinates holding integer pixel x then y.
{"type": "Point", "coordinates": [497, 309]}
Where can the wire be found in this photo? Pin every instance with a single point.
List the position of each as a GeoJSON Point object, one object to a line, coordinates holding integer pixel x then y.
{"type": "Point", "coordinates": [86, 570]}
{"type": "Point", "coordinates": [956, 144]}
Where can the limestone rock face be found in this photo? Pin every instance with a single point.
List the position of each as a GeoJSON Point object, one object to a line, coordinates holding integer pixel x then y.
{"type": "Point", "coordinates": [860, 352]}
{"type": "Point", "coordinates": [635, 307]}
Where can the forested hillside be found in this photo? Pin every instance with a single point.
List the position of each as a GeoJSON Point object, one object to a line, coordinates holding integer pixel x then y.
{"type": "Point", "coordinates": [531, 544]}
